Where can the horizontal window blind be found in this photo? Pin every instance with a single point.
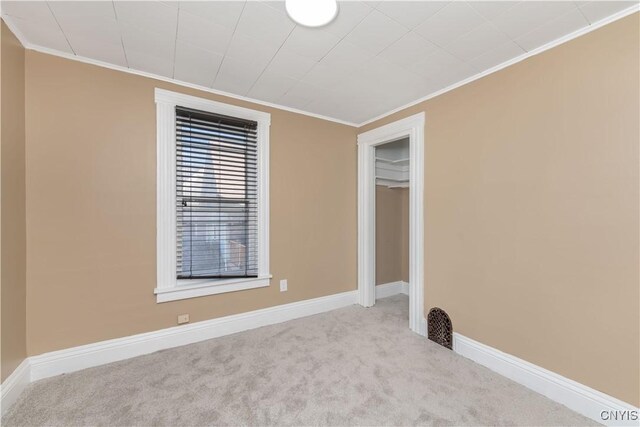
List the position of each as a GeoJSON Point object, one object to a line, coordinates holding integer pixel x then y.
{"type": "Point", "coordinates": [216, 195]}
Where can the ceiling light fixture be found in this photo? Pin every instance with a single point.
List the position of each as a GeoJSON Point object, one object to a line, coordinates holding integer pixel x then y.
{"type": "Point", "coordinates": [312, 13]}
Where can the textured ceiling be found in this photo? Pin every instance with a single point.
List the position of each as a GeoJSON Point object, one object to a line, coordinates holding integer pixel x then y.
{"type": "Point", "coordinates": [375, 57]}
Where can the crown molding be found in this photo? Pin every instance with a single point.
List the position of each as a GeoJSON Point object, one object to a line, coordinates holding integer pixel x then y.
{"type": "Point", "coordinates": [598, 24]}
{"type": "Point", "coordinates": [592, 27]}
{"type": "Point", "coordinates": [30, 46]}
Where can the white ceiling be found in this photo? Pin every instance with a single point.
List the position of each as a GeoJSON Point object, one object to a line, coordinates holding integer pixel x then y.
{"type": "Point", "coordinates": [375, 57]}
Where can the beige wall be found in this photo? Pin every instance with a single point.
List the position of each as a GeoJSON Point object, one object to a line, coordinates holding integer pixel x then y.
{"type": "Point", "coordinates": [531, 195]}
{"type": "Point", "coordinates": [392, 234]}
{"type": "Point", "coordinates": [91, 183]}
{"type": "Point", "coordinates": [13, 232]}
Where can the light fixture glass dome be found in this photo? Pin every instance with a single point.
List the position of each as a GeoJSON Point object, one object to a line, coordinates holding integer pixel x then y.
{"type": "Point", "coordinates": [312, 13]}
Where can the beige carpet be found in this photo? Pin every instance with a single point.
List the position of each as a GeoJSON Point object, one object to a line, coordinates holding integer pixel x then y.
{"type": "Point", "coordinates": [348, 367]}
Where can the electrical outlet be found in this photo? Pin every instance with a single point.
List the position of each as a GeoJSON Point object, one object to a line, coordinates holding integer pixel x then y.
{"type": "Point", "coordinates": [183, 318]}
{"type": "Point", "coordinates": [283, 285]}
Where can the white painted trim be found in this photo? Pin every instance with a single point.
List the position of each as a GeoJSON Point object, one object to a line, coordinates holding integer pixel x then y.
{"type": "Point", "coordinates": [366, 226]}
{"type": "Point", "coordinates": [392, 288]}
{"type": "Point", "coordinates": [163, 96]}
{"type": "Point", "coordinates": [210, 287]}
{"type": "Point", "coordinates": [575, 396]}
{"type": "Point", "coordinates": [165, 196]}
{"type": "Point", "coordinates": [86, 356]}
{"type": "Point", "coordinates": [543, 48]}
{"type": "Point", "coordinates": [13, 386]}
{"type": "Point", "coordinates": [168, 288]}
{"type": "Point", "coordinates": [74, 359]}
{"type": "Point", "coordinates": [538, 50]}
{"type": "Point", "coordinates": [30, 46]}
{"type": "Point", "coordinates": [412, 127]}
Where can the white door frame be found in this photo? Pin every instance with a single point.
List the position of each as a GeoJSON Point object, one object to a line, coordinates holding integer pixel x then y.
{"type": "Point", "coordinates": [412, 127]}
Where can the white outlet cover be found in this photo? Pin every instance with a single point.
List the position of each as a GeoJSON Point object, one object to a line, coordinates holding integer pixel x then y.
{"type": "Point", "coordinates": [283, 285]}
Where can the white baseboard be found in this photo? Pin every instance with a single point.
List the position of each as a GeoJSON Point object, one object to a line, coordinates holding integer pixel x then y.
{"type": "Point", "coordinates": [14, 385]}
{"type": "Point", "coordinates": [578, 397]}
{"type": "Point", "coordinates": [100, 353]}
{"type": "Point", "coordinates": [392, 288]}
{"type": "Point", "coordinates": [405, 288]}
{"type": "Point", "coordinates": [86, 356]}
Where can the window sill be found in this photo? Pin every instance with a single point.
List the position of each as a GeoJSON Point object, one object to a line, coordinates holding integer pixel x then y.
{"type": "Point", "coordinates": [201, 288]}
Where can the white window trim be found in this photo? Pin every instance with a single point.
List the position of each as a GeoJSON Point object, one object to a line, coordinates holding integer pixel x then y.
{"type": "Point", "coordinates": [168, 287]}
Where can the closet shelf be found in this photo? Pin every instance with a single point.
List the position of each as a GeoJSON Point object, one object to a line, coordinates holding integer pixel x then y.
{"type": "Point", "coordinates": [393, 179]}
{"type": "Point", "coordinates": [394, 162]}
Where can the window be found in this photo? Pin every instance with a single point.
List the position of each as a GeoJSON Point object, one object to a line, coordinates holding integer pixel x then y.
{"type": "Point", "coordinates": [216, 195]}
{"type": "Point", "coordinates": [212, 213]}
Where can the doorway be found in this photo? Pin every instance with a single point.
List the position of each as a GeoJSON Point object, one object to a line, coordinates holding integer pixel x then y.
{"type": "Point", "coordinates": [411, 128]}
{"type": "Point", "coordinates": [392, 218]}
